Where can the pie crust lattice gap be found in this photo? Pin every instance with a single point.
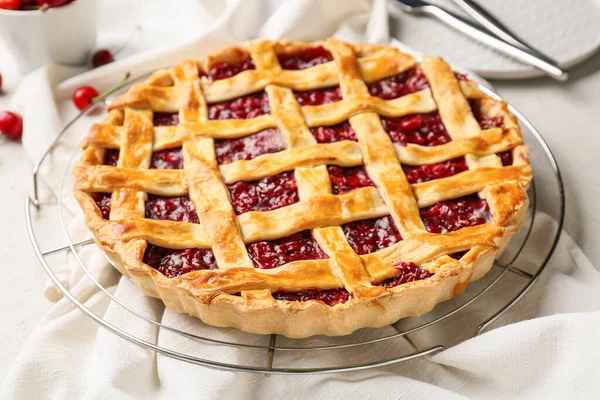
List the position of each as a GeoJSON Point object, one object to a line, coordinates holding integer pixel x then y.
{"type": "Point", "coordinates": [305, 188]}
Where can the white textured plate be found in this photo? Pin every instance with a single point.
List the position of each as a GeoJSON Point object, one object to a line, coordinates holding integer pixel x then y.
{"type": "Point", "coordinates": [566, 30]}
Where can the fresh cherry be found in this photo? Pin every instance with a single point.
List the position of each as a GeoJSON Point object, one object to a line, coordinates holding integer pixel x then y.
{"type": "Point", "coordinates": [102, 57]}
{"type": "Point", "coordinates": [83, 96]}
{"type": "Point", "coordinates": [52, 3]}
{"type": "Point", "coordinates": [11, 125]}
{"type": "Point", "coordinates": [10, 4]}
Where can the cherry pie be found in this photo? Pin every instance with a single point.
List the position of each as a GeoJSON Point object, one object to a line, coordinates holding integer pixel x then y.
{"type": "Point", "coordinates": [304, 188]}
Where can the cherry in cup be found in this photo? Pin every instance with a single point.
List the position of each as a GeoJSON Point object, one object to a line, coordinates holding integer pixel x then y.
{"type": "Point", "coordinates": [53, 3]}
{"type": "Point", "coordinates": [10, 4]}
{"type": "Point", "coordinates": [27, 5]}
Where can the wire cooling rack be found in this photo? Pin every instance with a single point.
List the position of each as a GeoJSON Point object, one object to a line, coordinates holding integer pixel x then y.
{"type": "Point", "coordinates": [523, 261]}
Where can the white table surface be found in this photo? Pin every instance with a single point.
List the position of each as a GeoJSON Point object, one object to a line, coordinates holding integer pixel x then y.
{"type": "Point", "coordinates": [566, 115]}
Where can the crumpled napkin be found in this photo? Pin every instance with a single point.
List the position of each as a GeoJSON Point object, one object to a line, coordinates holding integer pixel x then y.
{"type": "Point", "coordinates": [69, 356]}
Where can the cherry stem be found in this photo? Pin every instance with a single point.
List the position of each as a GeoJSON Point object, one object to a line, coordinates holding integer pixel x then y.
{"type": "Point", "coordinates": [112, 88]}
{"type": "Point", "coordinates": [136, 30]}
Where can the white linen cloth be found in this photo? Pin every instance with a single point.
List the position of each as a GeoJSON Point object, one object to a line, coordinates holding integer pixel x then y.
{"type": "Point", "coordinates": [69, 356]}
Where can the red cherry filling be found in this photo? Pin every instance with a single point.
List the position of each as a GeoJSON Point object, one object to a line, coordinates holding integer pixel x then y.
{"type": "Point", "coordinates": [330, 297]}
{"type": "Point", "coordinates": [399, 85]}
{"type": "Point", "coordinates": [334, 133]}
{"type": "Point", "coordinates": [485, 122]}
{"type": "Point", "coordinates": [266, 194]}
{"type": "Point", "coordinates": [165, 119]}
{"type": "Point", "coordinates": [318, 97]}
{"type": "Point", "coordinates": [450, 215]}
{"type": "Point", "coordinates": [409, 272]}
{"type": "Point", "coordinates": [370, 235]}
{"type": "Point", "coordinates": [305, 59]}
{"type": "Point", "coordinates": [222, 70]}
{"type": "Point", "coordinates": [408, 82]}
{"type": "Point", "coordinates": [164, 159]}
{"type": "Point", "coordinates": [421, 129]}
{"type": "Point", "coordinates": [111, 157]}
{"type": "Point", "coordinates": [171, 208]}
{"type": "Point", "coordinates": [506, 157]}
{"type": "Point", "coordinates": [345, 179]}
{"type": "Point", "coordinates": [103, 202]}
{"type": "Point", "coordinates": [245, 107]}
{"type": "Point", "coordinates": [459, 255]}
{"type": "Point", "coordinates": [273, 254]}
{"type": "Point", "coordinates": [172, 263]}
{"type": "Point", "coordinates": [424, 173]}
{"type": "Point", "coordinates": [167, 159]}
{"type": "Point", "coordinates": [249, 147]}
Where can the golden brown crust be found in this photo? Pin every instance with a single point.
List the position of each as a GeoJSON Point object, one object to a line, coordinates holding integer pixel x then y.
{"type": "Point", "coordinates": [239, 295]}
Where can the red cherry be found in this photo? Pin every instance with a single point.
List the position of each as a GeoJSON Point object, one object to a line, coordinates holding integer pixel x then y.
{"type": "Point", "coordinates": [82, 96]}
{"type": "Point", "coordinates": [52, 3]}
{"type": "Point", "coordinates": [102, 57]}
{"type": "Point", "coordinates": [11, 125]}
{"type": "Point", "coordinates": [10, 4]}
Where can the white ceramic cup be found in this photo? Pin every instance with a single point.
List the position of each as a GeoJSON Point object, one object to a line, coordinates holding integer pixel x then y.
{"type": "Point", "coordinates": [63, 35]}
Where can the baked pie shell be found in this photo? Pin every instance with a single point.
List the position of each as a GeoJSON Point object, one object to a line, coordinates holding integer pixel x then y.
{"type": "Point", "coordinates": [296, 319]}
{"type": "Point", "coordinates": [256, 311]}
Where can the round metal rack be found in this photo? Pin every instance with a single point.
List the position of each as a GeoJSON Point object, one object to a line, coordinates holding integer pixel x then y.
{"type": "Point", "coordinates": [523, 260]}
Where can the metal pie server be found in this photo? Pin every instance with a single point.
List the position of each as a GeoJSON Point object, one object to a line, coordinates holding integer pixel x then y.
{"type": "Point", "coordinates": [518, 51]}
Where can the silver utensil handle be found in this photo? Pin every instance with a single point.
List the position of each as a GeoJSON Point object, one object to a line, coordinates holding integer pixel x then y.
{"type": "Point", "coordinates": [489, 22]}
{"type": "Point", "coordinates": [483, 36]}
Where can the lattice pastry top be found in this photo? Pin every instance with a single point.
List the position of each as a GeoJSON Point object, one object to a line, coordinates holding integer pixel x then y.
{"type": "Point", "coordinates": [304, 188]}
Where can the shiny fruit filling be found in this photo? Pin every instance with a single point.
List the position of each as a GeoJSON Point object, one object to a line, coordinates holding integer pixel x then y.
{"type": "Point", "coordinates": [450, 215]}
{"type": "Point", "coordinates": [410, 81]}
{"type": "Point", "coordinates": [273, 254]}
{"type": "Point", "coordinates": [266, 194]}
{"type": "Point", "coordinates": [409, 272]}
{"type": "Point", "coordinates": [165, 119]}
{"type": "Point", "coordinates": [318, 97]}
{"type": "Point", "coordinates": [245, 107]}
{"type": "Point", "coordinates": [425, 173]}
{"type": "Point", "coordinates": [163, 159]}
{"type": "Point", "coordinates": [330, 297]}
{"type": "Point", "coordinates": [506, 157]}
{"type": "Point", "coordinates": [171, 208]}
{"type": "Point", "coordinates": [421, 129]}
{"type": "Point", "coordinates": [334, 133]}
{"type": "Point", "coordinates": [167, 159]}
{"type": "Point", "coordinates": [111, 157]}
{"type": "Point", "coordinates": [369, 235]}
{"type": "Point", "coordinates": [249, 147]}
{"type": "Point", "coordinates": [346, 179]}
{"type": "Point", "coordinates": [103, 201]}
{"type": "Point", "coordinates": [172, 263]}
{"type": "Point", "coordinates": [222, 70]}
{"type": "Point", "coordinates": [305, 59]}
{"type": "Point", "coordinates": [485, 121]}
